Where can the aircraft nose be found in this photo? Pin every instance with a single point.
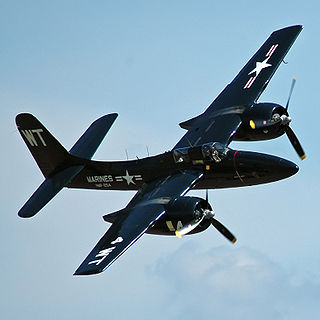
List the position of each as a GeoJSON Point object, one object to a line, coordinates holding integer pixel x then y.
{"type": "Point", "coordinates": [287, 167]}
{"type": "Point", "coordinates": [258, 168]}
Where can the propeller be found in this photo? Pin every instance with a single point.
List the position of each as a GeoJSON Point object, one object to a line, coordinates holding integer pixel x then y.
{"type": "Point", "coordinates": [189, 227]}
{"type": "Point", "coordinates": [286, 121]}
{"type": "Point", "coordinates": [193, 223]}
{"type": "Point", "coordinates": [207, 213]}
{"type": "Point", "coordinates": [294, 80]}
{"type": "Point", "coordinates": [223, 230]}
{"type": "Point", "coordinates": [295, 142]}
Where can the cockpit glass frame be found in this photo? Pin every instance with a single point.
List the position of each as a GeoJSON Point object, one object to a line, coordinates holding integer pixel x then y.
{"type": "Point", "coordinates": [214, 151]}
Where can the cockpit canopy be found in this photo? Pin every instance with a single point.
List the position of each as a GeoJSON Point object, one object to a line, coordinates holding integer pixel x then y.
{"type": "Point", "coordinates": [213, 151]}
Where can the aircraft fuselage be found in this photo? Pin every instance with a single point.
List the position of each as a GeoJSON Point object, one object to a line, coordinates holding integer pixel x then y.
{"type": "Point", "coordinates": [235, 169]}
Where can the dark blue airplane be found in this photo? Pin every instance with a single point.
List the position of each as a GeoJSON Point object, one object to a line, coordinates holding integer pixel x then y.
{"type": "Point", "coordinates": [201, 159]}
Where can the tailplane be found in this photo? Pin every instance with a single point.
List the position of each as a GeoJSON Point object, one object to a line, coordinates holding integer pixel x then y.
{"type": "Point", "coordinates": [58, 165]}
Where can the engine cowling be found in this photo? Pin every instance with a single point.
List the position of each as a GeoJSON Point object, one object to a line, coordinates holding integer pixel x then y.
{"type": "Point", "coordinates": [179, 212]}
{"type": "Point", "coordinates": [263, 121]}
{"type": "Point", "coordinates": [186, 208]}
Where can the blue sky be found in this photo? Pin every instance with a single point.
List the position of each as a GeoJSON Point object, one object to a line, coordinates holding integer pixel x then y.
{"type": "Point", "coordinates": [156, 64]}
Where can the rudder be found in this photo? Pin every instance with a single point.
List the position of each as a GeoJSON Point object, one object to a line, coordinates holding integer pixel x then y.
{"type": "Point", "coordinates": [44, 147]}
{"type": "Point", "coordinates": [57, 164]}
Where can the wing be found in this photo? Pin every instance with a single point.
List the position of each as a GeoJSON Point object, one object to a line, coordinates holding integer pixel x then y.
{"type": "Point", "coordinates": [146, 207]}
{"type": "Point", "coordinates": [223, 117]}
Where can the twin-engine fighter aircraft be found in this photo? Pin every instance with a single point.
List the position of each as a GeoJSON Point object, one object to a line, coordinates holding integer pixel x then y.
{"type": "Point", "coordinates": [200, 160]}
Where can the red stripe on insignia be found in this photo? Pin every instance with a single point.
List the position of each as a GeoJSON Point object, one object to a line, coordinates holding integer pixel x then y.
{"type": "Point", "coordinates": [249, 83]}
{"type": "Point", "coordinates": [272, 49]}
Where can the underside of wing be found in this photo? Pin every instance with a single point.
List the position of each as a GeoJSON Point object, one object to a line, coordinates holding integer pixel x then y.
{"type": "Point", "coordinates": [132, 222]}
{"type": "Point", "coordinates": [253, 78]}
{"type": "Point", "coordinates": [124, 232]}
{"type": "Point", "coordinates": [219, 128]}
{"type": "Point", "coordinates": [222, 118]}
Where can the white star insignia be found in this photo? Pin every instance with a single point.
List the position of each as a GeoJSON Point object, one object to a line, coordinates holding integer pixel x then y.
{"type": "Point", "coordinates": [260, 66]}
{"type": "Point", "coordinates": [128, 178]}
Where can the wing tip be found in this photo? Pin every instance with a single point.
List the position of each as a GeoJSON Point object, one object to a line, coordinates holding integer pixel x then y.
{"type": "Point", "coordinates": [294, 28]}
{"type": "Point", "coordinates": [25, 214]}
{"type": "Point", "coordinates": [79, 272]}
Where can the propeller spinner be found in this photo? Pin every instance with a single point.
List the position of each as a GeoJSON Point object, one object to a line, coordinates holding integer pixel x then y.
{"type": "Point", "coordinates": [284, 121]}
{"type": "Point", "coordinates": [207, 213]}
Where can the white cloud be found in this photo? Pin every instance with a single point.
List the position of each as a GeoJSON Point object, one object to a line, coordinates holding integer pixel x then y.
{"type": "Point", "coordinates": [229, 283]}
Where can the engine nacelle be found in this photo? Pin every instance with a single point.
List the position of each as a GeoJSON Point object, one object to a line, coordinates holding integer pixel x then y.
{"type": "Point", "coordinates": [188, 208]}
{"type": "Point", "coordinates": [261, 122]}
{"type": "Point", "coordinates": [179, 212]}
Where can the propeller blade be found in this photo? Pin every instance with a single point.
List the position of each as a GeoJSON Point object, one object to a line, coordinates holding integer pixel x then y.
{"type": "Point", "coordinates": [222, 229]}
{"type": "Point", "coordinates": [189, 227]}
{"type": "Point", "coordinates": [295, 142]}
{"type": "Point", "coordinates": [207, 199]}
{"type": "Point", "coordinates": [290, 92]}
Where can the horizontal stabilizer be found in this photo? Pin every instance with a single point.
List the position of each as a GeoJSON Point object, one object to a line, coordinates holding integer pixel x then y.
{"type": "Point", "coordinates": [47, 190]}
{"type": "Point", "coordinates": [57, 164]}
{"type": "Point", "coordinates": [89, 142]}
{"type": "Point", "coordinates": [188, 124]}
{"type": "Point", "coordinates": [112, 217]}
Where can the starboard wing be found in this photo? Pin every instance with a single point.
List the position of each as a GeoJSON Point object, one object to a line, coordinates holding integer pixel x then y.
{"type": "Point", "coordinates": [250, 82]}
{"type": "Point", "coordinates": [219, 128]}
{"type": "Point", "coordinates": [222, 118]}
{"type": "Point", "coordinates": [146, 207]}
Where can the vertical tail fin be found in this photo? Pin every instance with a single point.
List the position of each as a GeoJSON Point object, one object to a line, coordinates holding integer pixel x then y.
{"type": "Point", "coordinates": [57, 164]}
{"type": "Point", "coordinates": [44, 147]}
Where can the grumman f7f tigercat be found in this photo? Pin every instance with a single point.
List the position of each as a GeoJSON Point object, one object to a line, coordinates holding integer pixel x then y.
{"type": "Point", "coordinates": [202, 159]}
